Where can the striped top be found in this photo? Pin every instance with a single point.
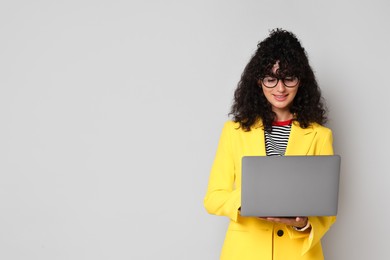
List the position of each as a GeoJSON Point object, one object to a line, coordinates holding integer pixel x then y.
{"type": "Point", "coordinates": [276, 140]}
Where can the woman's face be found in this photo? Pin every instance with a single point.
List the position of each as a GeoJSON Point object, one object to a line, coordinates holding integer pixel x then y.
{"type": "Point", "coordinates": [280, 97]}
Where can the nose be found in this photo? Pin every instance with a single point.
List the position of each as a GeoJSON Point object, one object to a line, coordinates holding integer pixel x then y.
{"type": "Point", "coordinates": [280, 87]}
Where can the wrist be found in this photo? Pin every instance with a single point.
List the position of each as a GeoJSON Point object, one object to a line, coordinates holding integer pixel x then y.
{"type": "Point", "coordinates": [307, 226]}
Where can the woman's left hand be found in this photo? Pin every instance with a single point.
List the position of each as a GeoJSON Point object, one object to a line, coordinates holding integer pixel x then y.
{"type": "Point", "coordinates": [298, 222]}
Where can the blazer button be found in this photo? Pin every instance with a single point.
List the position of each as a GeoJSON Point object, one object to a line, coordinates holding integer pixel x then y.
{"type": "Point", "coordinates": [280, 232]}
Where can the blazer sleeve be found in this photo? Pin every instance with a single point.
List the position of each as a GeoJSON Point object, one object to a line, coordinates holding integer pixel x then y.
{"type": "Point", "coordinates": [222, 198]}
{"type": "Point", "coordinates": [319, 225]}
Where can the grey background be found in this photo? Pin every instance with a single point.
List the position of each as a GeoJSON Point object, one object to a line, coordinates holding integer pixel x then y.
{"type": "Point", "coordinates": [111, 112]}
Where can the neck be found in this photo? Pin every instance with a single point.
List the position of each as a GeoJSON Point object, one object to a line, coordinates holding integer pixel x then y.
{"type": "Point", "coordinates": [283, 116]}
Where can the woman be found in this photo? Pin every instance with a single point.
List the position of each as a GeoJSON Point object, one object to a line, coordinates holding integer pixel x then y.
{"type": "Point", "coordinates": [277, 110]}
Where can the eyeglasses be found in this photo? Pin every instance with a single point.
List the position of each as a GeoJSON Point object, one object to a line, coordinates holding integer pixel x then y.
{"type": "Point", "coordinates": [271, 82]}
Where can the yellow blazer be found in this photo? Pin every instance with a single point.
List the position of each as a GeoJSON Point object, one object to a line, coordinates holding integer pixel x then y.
{"type": "Point", "coordinates": [250, 238]}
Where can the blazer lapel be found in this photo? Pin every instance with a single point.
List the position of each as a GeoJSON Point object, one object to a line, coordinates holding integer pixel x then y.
{"type": "Point", "coordinates": [300, 140]}
{"type": "Point", "coordinates": [256, 141]}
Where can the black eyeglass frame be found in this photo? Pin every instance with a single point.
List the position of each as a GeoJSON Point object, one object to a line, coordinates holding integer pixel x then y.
{"type": "Point", "coordinates": [277, 81]}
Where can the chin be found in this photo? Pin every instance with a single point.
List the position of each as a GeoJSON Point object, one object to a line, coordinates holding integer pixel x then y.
{"type": "Point", "coordinates": [281, 106]}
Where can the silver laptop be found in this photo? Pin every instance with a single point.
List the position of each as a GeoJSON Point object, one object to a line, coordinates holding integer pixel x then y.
{"type": "Point", "coordinates": [290, 186]}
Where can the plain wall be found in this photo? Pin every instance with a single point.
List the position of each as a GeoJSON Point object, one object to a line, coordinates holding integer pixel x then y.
{"type": "Point", "coordinates": [111, 112]}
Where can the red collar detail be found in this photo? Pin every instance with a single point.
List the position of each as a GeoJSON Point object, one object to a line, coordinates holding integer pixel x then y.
{"type": "Point", "coordinates": [282, 123]}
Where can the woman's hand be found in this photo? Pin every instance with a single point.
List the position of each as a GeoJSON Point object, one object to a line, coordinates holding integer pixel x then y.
{"type": "Point", "coordinates": [298, 222]}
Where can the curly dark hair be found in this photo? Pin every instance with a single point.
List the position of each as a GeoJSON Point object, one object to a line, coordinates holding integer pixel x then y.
{"type": "Point", "coordinates": [250, 104]}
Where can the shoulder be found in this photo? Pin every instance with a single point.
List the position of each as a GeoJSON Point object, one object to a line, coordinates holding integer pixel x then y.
{"type": "Point", "coordinates": [235, 126]}
{"type": "Point", "coordinates": [320, 128]}
{"type": "Point", "coordinates": [231, 130]}
{"type": "Point", "coordinates": [231, 125]}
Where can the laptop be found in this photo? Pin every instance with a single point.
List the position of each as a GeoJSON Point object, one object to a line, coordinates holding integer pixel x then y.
{"type": "Point", "coordinates": [290, 186]}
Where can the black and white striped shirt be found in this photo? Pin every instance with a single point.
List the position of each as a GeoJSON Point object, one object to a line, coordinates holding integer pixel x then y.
{"type": "Point", "coordinates": [276, 140]}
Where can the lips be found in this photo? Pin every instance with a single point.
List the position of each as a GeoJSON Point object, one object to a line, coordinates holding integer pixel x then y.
{"type": "Point", "coordinates": [280, 97]}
